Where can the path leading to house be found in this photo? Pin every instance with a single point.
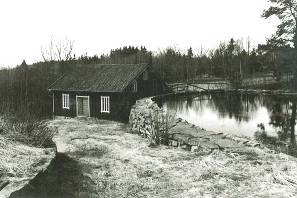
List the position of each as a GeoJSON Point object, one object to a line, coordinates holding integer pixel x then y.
{"type": "Point", "coordinates": [100, 159]}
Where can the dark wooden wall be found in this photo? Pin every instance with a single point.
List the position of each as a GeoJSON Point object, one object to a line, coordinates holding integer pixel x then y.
{"type": "Point", "coordinates": [120, 105]}
{"type": "Point", "coordinates": [151, 87]}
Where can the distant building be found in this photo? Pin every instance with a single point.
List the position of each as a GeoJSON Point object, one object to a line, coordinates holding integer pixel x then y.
{"type": "Point", "coordinates": [103, 91]}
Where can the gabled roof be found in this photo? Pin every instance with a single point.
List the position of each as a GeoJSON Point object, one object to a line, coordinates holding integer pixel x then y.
{"type": "Point", "coordinates": [99, 77]}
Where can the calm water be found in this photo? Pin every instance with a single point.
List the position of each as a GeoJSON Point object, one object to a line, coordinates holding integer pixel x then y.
{"type": "Point", "coordinates": [238, 114]}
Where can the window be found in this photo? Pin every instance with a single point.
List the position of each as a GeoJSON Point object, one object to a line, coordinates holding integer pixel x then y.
{"type": "Point", "coordinates": [65, 101]}
{"type": "Point", "coordinates": [135, 86]}
{"type": "Point", "coordinates": [145, 75]}
{"type": "Point", "coordinates": [105, 104]}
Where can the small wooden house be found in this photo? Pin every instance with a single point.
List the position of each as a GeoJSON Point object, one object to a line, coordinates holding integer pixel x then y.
{"type": "Point", "coordinates": [102, 91]}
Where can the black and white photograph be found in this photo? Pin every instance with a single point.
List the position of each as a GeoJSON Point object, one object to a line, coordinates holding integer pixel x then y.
{"type": "Point", "coordinates": [148, 98]}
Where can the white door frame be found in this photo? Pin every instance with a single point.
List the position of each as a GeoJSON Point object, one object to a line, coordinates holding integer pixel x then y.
{"type": "Point", "coordinates": [88, 105]}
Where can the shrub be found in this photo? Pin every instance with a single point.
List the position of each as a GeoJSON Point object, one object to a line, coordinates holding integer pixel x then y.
{"type": "Point", "coordinates": [161, 122]}
{"type": "Point", "coordinates": [27, 129]}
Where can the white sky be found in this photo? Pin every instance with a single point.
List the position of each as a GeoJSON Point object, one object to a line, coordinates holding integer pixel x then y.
{"type": "Point", "coordinates": [98, 26]}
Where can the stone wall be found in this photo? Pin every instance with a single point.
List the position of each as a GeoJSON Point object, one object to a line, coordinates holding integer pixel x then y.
{"type": "Point", "coordinates": [151, 121]}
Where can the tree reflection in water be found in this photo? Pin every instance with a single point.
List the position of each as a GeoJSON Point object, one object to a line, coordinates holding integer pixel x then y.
{"type": "Point", "coordinates": [242, 107]}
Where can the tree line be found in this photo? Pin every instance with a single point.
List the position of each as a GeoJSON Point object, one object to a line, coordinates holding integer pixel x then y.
{"type": "Point", "coordinates": [24, 88]}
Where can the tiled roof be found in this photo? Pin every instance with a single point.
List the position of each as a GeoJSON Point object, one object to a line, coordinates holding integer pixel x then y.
{"type": "Point", "coordinates": [99, 78]}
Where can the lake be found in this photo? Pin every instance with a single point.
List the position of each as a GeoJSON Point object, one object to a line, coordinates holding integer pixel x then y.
{"type": "Point", "coordinates": [237, 113]}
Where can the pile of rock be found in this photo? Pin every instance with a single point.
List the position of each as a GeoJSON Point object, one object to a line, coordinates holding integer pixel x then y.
{"type": "Point", "coordinates": [151, 121]}
{"type": "Point", "coordinates": [193, 138]}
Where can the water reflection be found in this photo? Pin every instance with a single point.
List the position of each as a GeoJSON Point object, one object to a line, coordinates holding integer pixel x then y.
{"type": "Point", "coordinates": [272, 117]}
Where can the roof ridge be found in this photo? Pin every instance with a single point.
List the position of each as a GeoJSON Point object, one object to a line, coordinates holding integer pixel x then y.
{"type": "Point", "coordinates": [101, 78]}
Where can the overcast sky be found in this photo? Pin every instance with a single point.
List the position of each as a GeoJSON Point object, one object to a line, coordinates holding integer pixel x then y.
{"type": "Point", "coordinates": [100, 25]}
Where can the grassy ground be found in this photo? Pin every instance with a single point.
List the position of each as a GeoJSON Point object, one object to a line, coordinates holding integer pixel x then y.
{"type": "Point", "coordinates": [22, 156]}
{"type": "Point", "coordinates": [101, 160]}
{"type": "Point", "coordinates": [19, 164]}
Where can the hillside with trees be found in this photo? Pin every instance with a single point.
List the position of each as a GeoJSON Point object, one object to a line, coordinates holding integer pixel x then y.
{"type": "Point", "coordinates": [24, 87]}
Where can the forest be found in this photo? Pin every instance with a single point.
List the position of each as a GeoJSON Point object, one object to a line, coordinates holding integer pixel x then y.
{"type": "Point", "coordinates": [24, 87]}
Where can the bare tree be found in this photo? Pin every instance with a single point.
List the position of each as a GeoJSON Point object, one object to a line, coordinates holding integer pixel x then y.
{"type": "Point", "coordinates": [61, 50]}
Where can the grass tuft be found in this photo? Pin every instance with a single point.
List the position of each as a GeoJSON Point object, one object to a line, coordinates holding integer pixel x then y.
{"type": "Point", "coordinates": [97, 151]}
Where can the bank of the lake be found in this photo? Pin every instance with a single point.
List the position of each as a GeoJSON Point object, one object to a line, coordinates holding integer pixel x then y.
{"type": "Point", "coordinates": [241, 114]}
{"type": "Point", "coordinates": [103, 159]}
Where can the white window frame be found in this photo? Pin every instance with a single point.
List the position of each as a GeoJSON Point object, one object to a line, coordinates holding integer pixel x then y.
{"type": "Point", "coordinates": [65, 101]}
{"type": "Point", "coordinates": [105, 104]}
{"type": "Point", "coordinates": [135, 86]}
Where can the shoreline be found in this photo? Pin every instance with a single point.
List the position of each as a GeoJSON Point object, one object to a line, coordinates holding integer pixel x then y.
{"type": "Point", "coordinates": [182, 133]}
{"type": "Point", "coordinates": [88, 143]}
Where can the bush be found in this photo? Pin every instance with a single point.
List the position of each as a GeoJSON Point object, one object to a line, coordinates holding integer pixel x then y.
{"type": "Point", "coordinates": [27, 129]}
{"type": "Point", "coordinates": [161, 122]}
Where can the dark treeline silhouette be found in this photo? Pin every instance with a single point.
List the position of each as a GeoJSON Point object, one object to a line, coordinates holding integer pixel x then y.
{"type": "Point", "coordinates": [230, 60]}
{"type": "Point", "coordinates": [24, 87]}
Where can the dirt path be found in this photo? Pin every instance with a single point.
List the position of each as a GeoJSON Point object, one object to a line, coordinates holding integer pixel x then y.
{"type": "Point", "coordinates": [99, 159]}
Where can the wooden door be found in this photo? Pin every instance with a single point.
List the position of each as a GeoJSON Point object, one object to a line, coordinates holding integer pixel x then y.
{"type": "Point", "coordinates": [83, 106]}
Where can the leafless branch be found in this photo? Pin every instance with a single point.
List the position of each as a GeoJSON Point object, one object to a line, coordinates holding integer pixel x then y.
{"type": "Point", "coordinates": [58, 50]}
